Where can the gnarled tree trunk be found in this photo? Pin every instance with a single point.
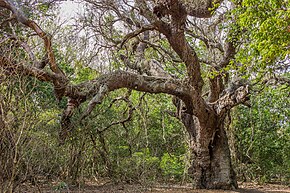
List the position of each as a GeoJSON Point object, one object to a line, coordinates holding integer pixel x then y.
{"type": "Point", "coordinates": [211, 167]}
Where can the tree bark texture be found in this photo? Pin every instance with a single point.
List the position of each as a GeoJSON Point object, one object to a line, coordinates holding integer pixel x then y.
{"type": "Point", "coordinates": [211, 167]}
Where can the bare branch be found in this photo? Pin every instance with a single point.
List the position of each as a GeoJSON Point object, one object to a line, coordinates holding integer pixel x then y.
{"type": "Point", "coordinates": [282, 80]}
{"type": "Point", "coordinates": [208, 42]}
{"type": "Point", "coordinates": [130, 110]}
{"type": "Point", "coordinates": [12, 69]}
{"type": "Point", "coordinates": [137, 32]}
{"type": "Point", "coordinates": [31, 24]}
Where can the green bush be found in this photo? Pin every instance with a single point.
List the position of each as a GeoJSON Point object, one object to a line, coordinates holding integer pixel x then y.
{"type": "Point", "coordinates": [140, 167]}
{"type": "Point", "coordinates": [172, 166]}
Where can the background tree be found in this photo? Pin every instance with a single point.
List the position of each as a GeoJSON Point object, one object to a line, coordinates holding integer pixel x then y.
{"type": "Point", "coordinates": [262, 137]}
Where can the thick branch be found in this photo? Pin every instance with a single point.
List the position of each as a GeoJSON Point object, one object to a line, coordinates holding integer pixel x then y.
{"type": "Point", "coordinates": [217, 84]}
{"type": "Point", "coordinates": [97, 99]}
{"type": "Point", "coordinates": [231, 99]}
{"type": "Point", "coordinates": [175, 33]}
{"type": "Point", "coordinates": [98, 88]}
{"type": "Point", "coordinates": [66, 126]}
{"type": "Point", "coordinates": [113, 81]}
{"type": "Point", "coordinates": [11, 69]}
{"type": "Point", "coordinates": [150, 84]}
{"type": "Point", "coordinates": [201, 9]}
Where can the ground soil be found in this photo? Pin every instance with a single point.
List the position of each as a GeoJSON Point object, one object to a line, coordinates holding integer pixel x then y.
{"type": "Point", "coordinates": [108, 187]}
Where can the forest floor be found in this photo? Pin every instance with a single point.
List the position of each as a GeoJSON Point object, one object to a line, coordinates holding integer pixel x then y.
{"type": "Point", "coordinates": [137, 188]}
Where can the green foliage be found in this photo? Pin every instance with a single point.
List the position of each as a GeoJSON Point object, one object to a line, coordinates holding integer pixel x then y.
{"type": "Point", "coordinates": [263, 136]}
{"type": "Point", "coordinates": [141, 167]}
{"type": "Point", "coordinates": [172, 166]}
{"type": "Point", "coordinates": [28, 142]}
{"type": "Point", "coordinates": [263, 31]}
{"type": "Point", "coordinates": [84, 73]}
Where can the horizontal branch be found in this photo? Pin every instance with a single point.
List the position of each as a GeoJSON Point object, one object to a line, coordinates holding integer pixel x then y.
{"type": "Point", "coordinates": [114, 81]}
{"type": "Point", "coordinates": [97, 89]}
{"type": "Point", "coordinates": [150, 84]}
{"type": "Point", "coordinates": [111, 81]}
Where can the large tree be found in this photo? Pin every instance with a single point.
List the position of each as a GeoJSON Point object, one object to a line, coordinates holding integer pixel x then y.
{"type": "Point", "coordinates": [190, 47]}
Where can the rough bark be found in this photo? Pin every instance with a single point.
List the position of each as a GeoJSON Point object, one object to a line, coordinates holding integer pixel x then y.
{"type": "Point", "coordinates": [211, 167]}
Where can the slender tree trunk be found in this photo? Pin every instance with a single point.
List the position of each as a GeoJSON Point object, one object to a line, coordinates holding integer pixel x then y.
{"type": "Point", "coordinates": [211, 166]}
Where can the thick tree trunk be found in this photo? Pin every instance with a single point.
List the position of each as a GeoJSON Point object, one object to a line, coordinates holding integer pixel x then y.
{"type": "Point", "coordinates": [211, 167]}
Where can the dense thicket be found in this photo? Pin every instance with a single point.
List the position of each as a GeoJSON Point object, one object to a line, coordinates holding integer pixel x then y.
{"type": "Point", "coordinates": [262, 137]}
